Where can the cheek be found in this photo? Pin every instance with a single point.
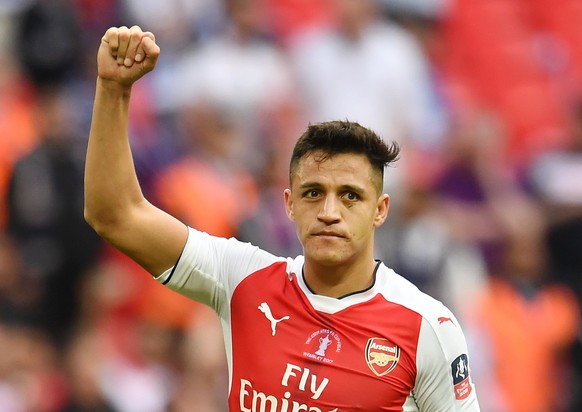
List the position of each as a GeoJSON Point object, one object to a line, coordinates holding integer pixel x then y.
{"type": "Point", "coordinates": [302, 226]}
{"type": "Point", "coordinates": [364, 226]}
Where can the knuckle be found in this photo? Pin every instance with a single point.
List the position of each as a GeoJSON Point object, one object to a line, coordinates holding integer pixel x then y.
{"type": "Point", "coordinates": [110, 35]}
{"type": "Point", "coordinates": [124, 33]}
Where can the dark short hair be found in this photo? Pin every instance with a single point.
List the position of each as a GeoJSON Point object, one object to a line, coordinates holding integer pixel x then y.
{"type": "Point", "coordinates": [343, 136]}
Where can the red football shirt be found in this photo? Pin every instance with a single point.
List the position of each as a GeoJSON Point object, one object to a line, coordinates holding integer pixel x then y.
{"type": "Point", "coordinates": [387, 348]}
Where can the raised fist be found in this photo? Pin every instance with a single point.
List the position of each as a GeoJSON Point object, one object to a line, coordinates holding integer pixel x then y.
{"type": "Point", "coordinates": [126, 54]}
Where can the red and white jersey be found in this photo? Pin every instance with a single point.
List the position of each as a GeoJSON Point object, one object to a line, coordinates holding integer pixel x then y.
{"type": "Point", "coordinates": [387, 348]}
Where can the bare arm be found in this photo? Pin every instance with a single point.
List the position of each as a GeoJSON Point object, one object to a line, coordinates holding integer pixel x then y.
{"type": "Point", "coordinates": [114, 204]}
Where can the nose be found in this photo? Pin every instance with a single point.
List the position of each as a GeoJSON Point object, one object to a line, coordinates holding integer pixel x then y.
{"type": "Point", "coordinates": [330, 210]}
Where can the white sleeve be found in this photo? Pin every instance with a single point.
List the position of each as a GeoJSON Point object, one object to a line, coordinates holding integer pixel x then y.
{"type": "Point", "coordinates": [443, 382]}
{"type": "Point", "coordinates": [210, 268]}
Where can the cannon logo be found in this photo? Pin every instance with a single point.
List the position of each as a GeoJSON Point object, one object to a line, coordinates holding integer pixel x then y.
{"type": "Point", "coordinates": [382, 356]}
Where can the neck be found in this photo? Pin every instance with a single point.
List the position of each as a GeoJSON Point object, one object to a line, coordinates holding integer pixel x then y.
{"type": "Point", "coordinates": [339, 280]}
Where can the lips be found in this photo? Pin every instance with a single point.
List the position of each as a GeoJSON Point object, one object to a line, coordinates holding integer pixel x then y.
{"type": "Point", "coordinates": [328, 233]}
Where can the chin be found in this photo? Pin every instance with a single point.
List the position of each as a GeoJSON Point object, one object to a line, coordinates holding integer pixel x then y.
{"type": "Point", "coordinates": [327, 257]}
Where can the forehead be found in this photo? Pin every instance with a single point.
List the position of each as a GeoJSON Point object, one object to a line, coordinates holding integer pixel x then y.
{"type": "Point", "coordinates": [341, 169]}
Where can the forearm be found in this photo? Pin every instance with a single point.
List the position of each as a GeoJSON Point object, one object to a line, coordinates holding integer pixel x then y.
{"type": "Point", "coordinates": [111, 184]}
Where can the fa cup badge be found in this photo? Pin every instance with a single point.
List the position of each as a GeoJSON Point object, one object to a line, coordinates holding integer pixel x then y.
{"type": "Point", "coordinates": [323, 345]}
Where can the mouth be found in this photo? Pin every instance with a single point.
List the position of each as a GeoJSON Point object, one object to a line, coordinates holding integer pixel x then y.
{"type": "Point", "coordinates": [328, 234]}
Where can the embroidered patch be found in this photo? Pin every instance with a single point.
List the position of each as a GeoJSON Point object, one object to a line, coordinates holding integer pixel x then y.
{"type": "Point", "coordinates": [461, 382]}
{"type": "Point", "coordinates": [382, 356]}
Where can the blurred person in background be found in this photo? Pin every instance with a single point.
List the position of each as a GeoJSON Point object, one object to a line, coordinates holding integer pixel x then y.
{"type": "Point", "coordinates": [471, 177]}
{"type": "Point", "coordinates": [45, 199]}
{"type": "Point", "coordinates": [528, 319]}
{"type": "Point", "coordinates": [555, 180]}
{"type": "Point", "coordinates": [43, 26]}
{"type": "Point", "coordinates": [365, 68]}
{"type": "Point", "coordinates": [208, 187]}
{"type": "Point", "coordinates": [18, 131]}
{"type": "Point", "coordinates": [240, 73]}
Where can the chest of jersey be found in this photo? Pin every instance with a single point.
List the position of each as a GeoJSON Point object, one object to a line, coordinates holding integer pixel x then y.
{"type": "Point", "coordinates": [287, 356]}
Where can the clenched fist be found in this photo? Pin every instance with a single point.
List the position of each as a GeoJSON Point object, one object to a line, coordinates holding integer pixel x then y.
{"type": "Point", "coordinates": [126, 54]}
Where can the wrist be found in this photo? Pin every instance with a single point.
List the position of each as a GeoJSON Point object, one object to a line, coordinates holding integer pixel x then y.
{"type": "Point", "coordinates": [114, 88]}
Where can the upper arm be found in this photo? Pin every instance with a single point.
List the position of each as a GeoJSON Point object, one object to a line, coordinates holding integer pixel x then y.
{"type": "Point", "coordinates": [148, 235]}
{"type": "Point", "coordinates": [211, 268]}
{"type": "Point", "coordinates": [443, 382]}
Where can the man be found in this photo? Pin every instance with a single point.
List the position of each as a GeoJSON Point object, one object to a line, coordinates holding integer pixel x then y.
{"type": "Point", "coordinates": [333, 330]}
{"type": "Point", "coordinates": [44, 199]}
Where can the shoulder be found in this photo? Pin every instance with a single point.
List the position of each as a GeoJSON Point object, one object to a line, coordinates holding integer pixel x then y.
{"type": "Point", "coordinates": [399, 290]}
{"type": "Point", "coordinates": [439, 328]}
{"type": "Point", "coordinates": [442, 358]}
{"type": "Point", "coordinates": [200, 241]}
{"type": "Point", "coordinates": [210, 268]}
{"type": "Point", "coordinates": [231, 256]}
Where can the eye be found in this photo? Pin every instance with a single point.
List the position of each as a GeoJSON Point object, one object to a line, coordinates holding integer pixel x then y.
{"type": "Point", "coordinates": [351, 196]}
{"type": "Point", "coordinates": [312, 194]}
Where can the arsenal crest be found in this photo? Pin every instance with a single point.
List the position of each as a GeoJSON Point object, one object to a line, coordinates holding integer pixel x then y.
{"type": "Point", "coordinates": [381, 355]}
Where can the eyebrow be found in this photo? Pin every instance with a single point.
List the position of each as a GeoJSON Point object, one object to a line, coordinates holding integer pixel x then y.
{"type": "Point", "coordinates": [342, 188]}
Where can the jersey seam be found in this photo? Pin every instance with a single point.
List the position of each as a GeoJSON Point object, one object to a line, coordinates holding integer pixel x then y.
{"type": "Point", "coordinates": [165, 282]}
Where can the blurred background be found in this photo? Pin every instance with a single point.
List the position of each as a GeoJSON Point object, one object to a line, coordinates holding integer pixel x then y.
{"type": "Point", "coordinates": [484, 96]}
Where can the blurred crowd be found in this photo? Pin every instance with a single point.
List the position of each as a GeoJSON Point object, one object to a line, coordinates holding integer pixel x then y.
{"type": "Point", "coordinates": [484, 96]}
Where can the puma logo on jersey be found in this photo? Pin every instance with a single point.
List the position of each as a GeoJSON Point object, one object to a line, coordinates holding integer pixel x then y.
{"type": "Point", "coordinates": [264, 307]}
{"type": "Point", "coordinates": [442, 320]}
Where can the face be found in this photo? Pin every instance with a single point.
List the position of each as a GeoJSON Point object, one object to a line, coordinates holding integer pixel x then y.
{"type": "Point", "coordinates": [335, 206]}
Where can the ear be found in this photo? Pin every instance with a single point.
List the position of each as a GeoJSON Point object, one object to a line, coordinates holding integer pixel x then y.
{"type": "Point", "coordinates": [382, 210]}
{"type": "Point", "coordinates": [289, 205]}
